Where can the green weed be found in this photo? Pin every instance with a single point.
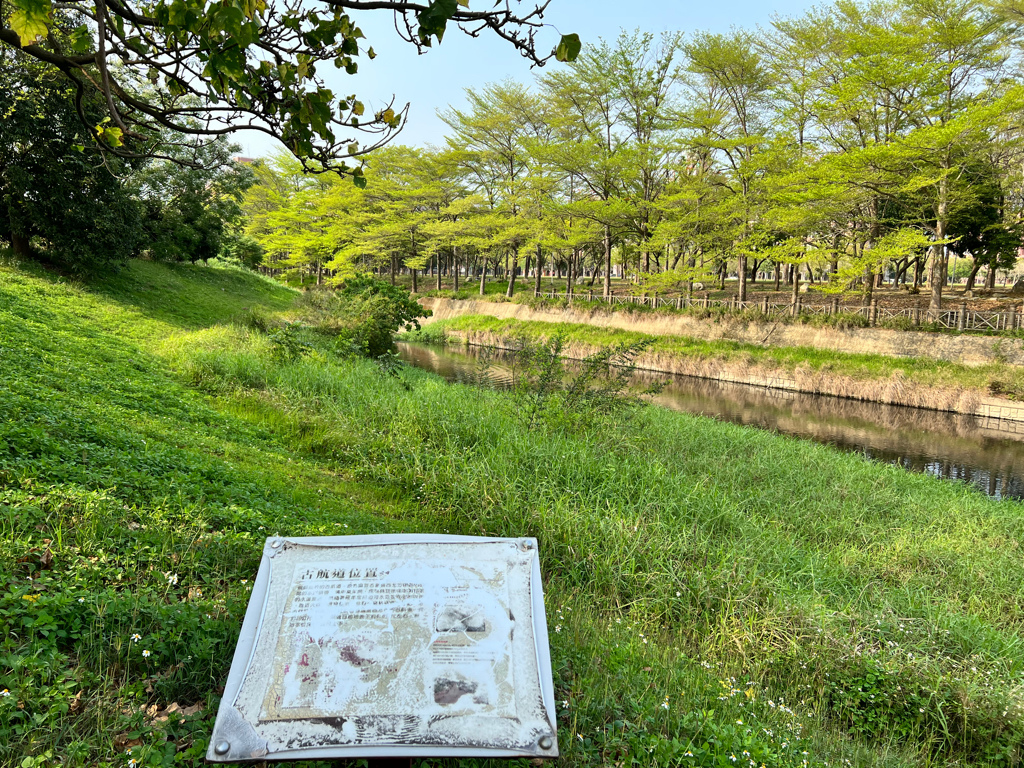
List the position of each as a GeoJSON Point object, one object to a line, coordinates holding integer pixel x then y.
{"type": "Point", "coordinates": [715, 595]}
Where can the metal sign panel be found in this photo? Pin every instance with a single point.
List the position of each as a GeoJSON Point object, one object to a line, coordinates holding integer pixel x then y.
{"type": "Point", "coordinates": [391, 646]}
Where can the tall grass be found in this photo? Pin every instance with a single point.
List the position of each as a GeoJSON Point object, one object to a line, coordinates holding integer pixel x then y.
{"type": "Point", "coordinates": [812, 575]}
{"type": "Point", "coordinates": [713, 592]}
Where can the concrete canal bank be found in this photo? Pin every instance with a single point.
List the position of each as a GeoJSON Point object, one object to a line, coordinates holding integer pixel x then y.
{"type": "Point", "coordinates": [896, 389]}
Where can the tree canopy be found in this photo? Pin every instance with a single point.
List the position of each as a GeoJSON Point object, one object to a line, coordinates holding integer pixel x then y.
{"type": "Point", "coordinates": [172, 75]}
{"type": "Point", "coordinates": [856, 141]}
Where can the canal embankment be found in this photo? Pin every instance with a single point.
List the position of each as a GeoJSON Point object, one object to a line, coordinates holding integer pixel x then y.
{"type": "Point", "coordinates": [977, 376]}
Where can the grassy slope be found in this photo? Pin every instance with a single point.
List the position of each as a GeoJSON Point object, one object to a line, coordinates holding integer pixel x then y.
{"type": "Point", "coordinates": [788, 359]}
{"type": "Point", "coordinates": [699, 574]}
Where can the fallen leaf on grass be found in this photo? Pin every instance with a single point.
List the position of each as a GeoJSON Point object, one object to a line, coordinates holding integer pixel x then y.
{"type": "Point", "coordinates": [122, 741]}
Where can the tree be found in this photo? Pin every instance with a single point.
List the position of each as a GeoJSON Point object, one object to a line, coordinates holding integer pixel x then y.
{"type": "Point", "coordinates": [52, 184]}
{"type": "Point", "coordinates": [493, 139]}
{"type": "Point", "coordinates": [729, 117]}
{"type": "Point", "coordinates": [202, 70]}
{"type": "Point", "coordinates": [190, 213]}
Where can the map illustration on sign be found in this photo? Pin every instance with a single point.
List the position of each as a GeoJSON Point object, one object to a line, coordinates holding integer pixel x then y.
{"type": "Point", "coordinates": [366, 646]}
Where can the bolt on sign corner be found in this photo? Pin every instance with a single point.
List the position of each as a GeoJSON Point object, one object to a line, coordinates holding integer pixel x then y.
{"type": "Point", "coordinates": [391, 646]}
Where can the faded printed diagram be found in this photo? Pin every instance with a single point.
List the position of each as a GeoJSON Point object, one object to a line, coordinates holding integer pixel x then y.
{"type": "Point", "coordinates": [389, 654]}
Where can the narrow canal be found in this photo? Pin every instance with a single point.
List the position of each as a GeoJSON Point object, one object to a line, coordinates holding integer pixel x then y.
{"type": "Point", "coordinates": [985, 452]}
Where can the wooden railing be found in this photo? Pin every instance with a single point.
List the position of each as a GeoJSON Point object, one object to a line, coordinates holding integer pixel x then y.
{"type": "Point", "coordinates": [961, 319]}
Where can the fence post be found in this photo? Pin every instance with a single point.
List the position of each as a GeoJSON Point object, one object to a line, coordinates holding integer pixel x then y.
{"type": "Point", "coordinates": [835, 305]}
{"type": "Point", "coordinates": [874, 312]}
{"type": "Point", "coordinates": [590, 295]}
{"type": "Point", "coordinates": [766, 306]}
{"type": "Point", "coordinates": [917, 313]}
{"type": "Point", "coordinates": [961, 320]}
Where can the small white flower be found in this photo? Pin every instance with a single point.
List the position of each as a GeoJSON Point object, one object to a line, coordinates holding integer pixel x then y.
{"type": "Point", "coordinates": [172, 579]}
{"type": "Point", "coordinates": [5, 693]}
{"type": "Point", "coordinates": [679, 594]}
{"type": "Point", "coordinates": [81, 599]}
{"type": "Point", "coordinates": [145, 654]}
{"type": "Point", "coordinates": [136, 637]}
{"type": "Point", "coordinates": [739, 722]}
{"type": "Point", "coordinates": [733, 758]}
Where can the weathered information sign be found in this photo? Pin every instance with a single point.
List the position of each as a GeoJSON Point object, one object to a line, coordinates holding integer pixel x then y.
{"type": "Point", "coordinates": [391, 646]}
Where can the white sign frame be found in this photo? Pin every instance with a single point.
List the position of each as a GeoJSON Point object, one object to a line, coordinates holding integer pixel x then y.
{"type": "Point", "coordinates": [254, 722]}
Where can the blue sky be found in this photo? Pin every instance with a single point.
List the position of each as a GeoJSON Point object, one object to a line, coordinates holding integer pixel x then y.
{"type": "Point", "coordinates": [439, 78]}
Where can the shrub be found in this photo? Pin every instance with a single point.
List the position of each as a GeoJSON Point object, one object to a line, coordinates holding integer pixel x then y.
{"type": "Point", "coordinates": [371, 311]}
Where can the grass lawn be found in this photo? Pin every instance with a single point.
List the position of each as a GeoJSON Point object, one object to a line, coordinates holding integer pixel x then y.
{"type": "Point", "coordinates": [716, 596]}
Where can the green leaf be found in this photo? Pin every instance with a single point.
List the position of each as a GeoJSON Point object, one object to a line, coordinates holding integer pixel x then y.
{"type": "Point", "coordinates": [31, 20]}
{"type": "Point", "coordinates": [81, 39]}
{"type": "Point", "coordinates": [568, 48]}
{"type": "Point", "coordinates": [434, 20]}
{"type": "Point", "coordinates": [359, 181]}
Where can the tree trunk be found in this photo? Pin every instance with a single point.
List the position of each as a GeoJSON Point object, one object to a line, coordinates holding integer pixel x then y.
{"type": "Point", "coordinates": [540, 269]}
{"type": "Point", "coordinates": [455, 268]}
{"type": "Point", "coordinates": [675, 261]}
{"type": "Point", "coordinates": [742, 270]}
{"type": "Point", "coordinates": [937, 276]}
{"type": "Point", "coordinates": [392, 269]}
{"type": "Point", "coordinates": [973, 275]}
{"type": "Point", "coordinates": [510, 292]}
{"type": "Point", "coordinates": [869, 286]}
{"type": "Point", "coordinates": [570, 278]}
{"type": "Point", "coordinates": [607, 261]}
{"type": "Point", "coordinates": [483, 277]}
{"type": "Point", "coordinates": [990, 278]}
{"type": "Point", "coordinates": [415, 289]}
{"type": "Point", "coordinates": [778, 276]}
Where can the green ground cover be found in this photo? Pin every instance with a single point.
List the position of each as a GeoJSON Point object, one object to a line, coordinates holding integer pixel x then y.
{"type": "Point", "coordinates": [1007, 380]}
{"type": "Point", "coordinates": [716, 595]}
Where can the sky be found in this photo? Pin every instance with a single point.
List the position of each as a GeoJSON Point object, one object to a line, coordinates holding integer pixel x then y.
{"type": "Point", "coordinates": [437, 79]}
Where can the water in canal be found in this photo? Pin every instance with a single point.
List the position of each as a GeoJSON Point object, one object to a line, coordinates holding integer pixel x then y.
{"type": "Point", "coordinates": [986, 452]}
